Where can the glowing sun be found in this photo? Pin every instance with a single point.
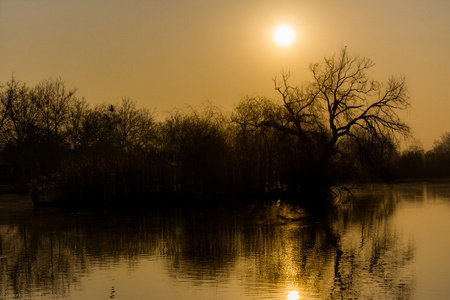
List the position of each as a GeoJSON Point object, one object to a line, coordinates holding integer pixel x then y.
{"type": "Point", "coordinates": [293, 295]}
{"type": "Point", "coordinates": [284, 35]}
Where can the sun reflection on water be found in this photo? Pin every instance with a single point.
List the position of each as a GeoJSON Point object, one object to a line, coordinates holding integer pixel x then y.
{"type": "Point", "coordinates": [293, 295]}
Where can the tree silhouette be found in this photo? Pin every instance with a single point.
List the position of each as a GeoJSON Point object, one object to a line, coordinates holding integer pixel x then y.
{"type": "Point", "coordinates": [340, 110]}
{"type": "Point", "coordinates": [443, 144]}
{"type": "Point", "coordinates": [339, 128]}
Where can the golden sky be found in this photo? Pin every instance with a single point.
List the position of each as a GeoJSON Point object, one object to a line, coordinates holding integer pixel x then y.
{"type": "Point", "coordinates": [165, 54]}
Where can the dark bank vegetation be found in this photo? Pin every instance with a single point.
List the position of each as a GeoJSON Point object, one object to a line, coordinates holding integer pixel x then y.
{"type": "Point", "coordinates": [319, 138]}
{"type": "Point", "coordinates": [416, 163]}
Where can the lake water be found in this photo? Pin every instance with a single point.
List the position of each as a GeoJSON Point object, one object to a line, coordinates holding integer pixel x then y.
{"type": "Point", "coordinates": [387, 243]}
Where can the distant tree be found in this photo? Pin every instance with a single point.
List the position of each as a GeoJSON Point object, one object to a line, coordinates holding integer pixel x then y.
{"type": "Point", "coordinates": [341, 107]}
{"type": "Point", "coordinates": [437, 160]}
{"type": "Point", "coordinates": [76, 118]}
{"type": "Point", "coordinates": [95, 131]}
{"type": "Point", "coordinates": [54, 102]}
{"type": "Point", "coordinates": [21, 120]}
{"type": "Point", "coordinates": [412, 163]}
{"type": "Point", "coordinates": [443, 144]}
{"type": "Point", "coordinates": [135, 126]}
{"type": "Point", "coordinates": [21, 131]}
{"type": "Point", "coordinates": [146, 131]}
{"type": "Point", "coordinates": [7, 97]}
{"type": "Point", "coordinates": [194, 147]}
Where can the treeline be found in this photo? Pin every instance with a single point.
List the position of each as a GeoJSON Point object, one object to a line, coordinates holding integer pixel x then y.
{"type": "Point", "coordinates": [415, 163]}
{"type": "Point", "coordinates": [337, 130]}
{"type": "Point", "coordinates": [56, 141]}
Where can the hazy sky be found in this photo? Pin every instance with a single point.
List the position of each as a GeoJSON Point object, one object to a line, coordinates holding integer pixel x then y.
{"type": "Point", "coordinates": [168, 53]}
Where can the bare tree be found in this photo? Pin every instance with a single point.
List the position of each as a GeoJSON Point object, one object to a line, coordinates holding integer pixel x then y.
{"type": "Point", "coordinates": [354, 102]}
{"type": "Point", "coordinates": [20, 127]}
{"type": "Point", "coordinates": [76, 118]}
{"type": "Point", "coordinates": [7, 97]}
{"type": "Point", "coordinates": [135, 126]}
{"type": "Point", "coordinates": [22, 116]}
{"type": "Point", "coordinates": [340, 107]}
{"type": "Point", "coordinates": [54, 101]}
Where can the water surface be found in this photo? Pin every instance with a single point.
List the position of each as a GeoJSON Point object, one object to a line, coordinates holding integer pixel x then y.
{"type": "Point", "coordinates": [388, 243]}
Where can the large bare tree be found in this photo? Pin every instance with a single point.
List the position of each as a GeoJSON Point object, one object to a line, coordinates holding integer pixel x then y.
{"type": "Point", "coordinates": [339, 114]}
{"type": "Point", "coordinates": [354, 103]}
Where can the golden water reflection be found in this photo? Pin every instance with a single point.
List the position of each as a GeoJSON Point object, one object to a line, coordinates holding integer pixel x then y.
{"type": "Point", "coordinates": [256, 251]}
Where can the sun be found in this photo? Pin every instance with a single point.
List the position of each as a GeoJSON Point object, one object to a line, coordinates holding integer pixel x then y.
{"type": "Point", "coordinates": [284, 35]}
{"type": "Point", "coordinates": [293, 295]}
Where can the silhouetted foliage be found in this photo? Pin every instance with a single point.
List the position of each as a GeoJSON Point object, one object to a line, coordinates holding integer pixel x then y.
{"type": "Point", "coordinates": [434, 164]}
{"type": "Point", "coordinates": [443, 144]}
{"type": "Point", "coordinates": [411, 164]}
{"type": "Point", "coordinates": [338, 129]}
{"type": "Point", "coordinates": [194, 148]}
{"type": "Point", "coordinates": [34, 125]}
{"type": "Point", "coordinates": [342, 121]}
{"type": "Point", "coordinates": [437, 161]}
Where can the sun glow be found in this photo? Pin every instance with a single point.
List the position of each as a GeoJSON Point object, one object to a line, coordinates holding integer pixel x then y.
{"type": "Point", "coordinates": [293, 295]}
{"type": "Point", "coordinates": [284, 35]}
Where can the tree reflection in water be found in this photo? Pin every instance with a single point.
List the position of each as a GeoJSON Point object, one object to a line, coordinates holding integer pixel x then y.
{"type": "Point", "coordinates": [353, 251]}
